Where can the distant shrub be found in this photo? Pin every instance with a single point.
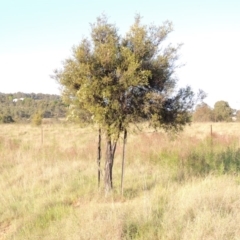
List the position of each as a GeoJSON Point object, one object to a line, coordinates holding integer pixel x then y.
{"type": "Point", "coordinates": [6, 119]}
{"type": "Point", "coordinates": [37, 118]}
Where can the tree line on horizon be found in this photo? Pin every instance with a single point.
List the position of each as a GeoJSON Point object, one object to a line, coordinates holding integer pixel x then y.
{"type": "Point", "coordinates": [221, 112]}
{"type": "Point", "coordinates": [21, 107]}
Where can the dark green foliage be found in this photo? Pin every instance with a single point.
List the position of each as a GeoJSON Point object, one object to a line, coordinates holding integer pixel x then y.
{"type": "Point", "coordinates": [119, 80]}
{"type": "Point", "coordinates": [21, 106]}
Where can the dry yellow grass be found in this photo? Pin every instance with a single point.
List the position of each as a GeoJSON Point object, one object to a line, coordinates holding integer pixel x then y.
{"type": "Point", "coordinates": [49, 190]}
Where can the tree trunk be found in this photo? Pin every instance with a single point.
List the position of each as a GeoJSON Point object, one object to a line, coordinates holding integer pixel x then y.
{"type": "Point", "coordinates": [110, 152]}
{"type": "Point", "coordinates": [99, 156]}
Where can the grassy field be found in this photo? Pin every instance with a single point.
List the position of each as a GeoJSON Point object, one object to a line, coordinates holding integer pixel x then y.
{"type": "Point", "coordinates": [175, 187]}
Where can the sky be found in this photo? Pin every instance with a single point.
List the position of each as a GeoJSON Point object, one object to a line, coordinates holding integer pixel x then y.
{"type": "Point", "coordinates": [37, 35]}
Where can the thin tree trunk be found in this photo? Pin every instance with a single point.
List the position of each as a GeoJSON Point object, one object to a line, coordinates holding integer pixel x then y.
{"type": "Point", "coordinates": [99, 156]}
{"type": "Point", "coordinates": [108, 167]}
{"type": "Point", "coordinates": [123, 158]}
{"type": "Point", "coordinates": [110, 152]}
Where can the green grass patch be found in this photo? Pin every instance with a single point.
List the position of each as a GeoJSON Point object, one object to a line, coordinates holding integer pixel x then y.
{"type": "Point", "coordinates": [49, 215]}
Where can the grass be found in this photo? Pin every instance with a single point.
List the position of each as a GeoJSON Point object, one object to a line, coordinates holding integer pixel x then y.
{"type": "Point", "coordinates": [182, 187]}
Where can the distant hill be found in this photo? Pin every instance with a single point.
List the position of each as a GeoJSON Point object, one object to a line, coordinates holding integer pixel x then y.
{"type": "Point", "coordinates": [19, 107]}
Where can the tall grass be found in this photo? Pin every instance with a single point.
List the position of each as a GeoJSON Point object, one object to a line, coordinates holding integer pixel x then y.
{"type": "Point", "coordinates": [182, 187]}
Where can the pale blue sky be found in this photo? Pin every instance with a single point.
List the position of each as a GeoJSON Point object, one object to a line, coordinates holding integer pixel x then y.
{"type": "Point", "coordinates": [36, 35]}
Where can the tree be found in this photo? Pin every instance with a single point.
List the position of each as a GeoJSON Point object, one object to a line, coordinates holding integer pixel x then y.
{"type": "Point", "coordinates": [203, 113]}
{"type": "Point", "coordinates": [120, 80]}
{"type": "Point", "coordinates": [222, 111]}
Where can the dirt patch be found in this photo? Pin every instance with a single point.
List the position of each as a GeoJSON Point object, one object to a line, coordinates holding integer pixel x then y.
{"type": "Point", "coordinates": [4, 229]}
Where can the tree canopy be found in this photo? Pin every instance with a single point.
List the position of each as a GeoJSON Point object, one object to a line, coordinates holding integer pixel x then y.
{"type": "Point", "coordinates": [123, 79]}
{"type": "Point", "coordinates": [203, 113]}
{"type": "Point", "coordinates": [222, 111]}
